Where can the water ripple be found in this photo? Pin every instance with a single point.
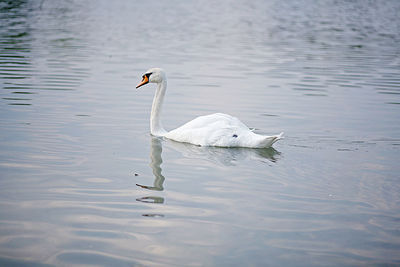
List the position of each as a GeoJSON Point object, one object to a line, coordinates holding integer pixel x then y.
{"type": "Point", "coordinates": [82, 181]}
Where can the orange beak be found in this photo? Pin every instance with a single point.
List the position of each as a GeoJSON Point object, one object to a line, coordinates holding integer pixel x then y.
{"type": "Point", "coordinates": [143, 82]}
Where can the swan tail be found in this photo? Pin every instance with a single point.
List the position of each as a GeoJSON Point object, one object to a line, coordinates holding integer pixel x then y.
{"type": "Point", "coordinates": [270, 140]}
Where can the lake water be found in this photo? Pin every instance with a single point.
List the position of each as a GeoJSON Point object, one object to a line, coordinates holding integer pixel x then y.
{"type": "Point", "coordinates": [82, 182]}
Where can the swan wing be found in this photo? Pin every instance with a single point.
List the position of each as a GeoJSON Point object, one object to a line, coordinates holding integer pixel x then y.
{"type": "Point", "coordinates": [211, 130]}
{"type": "Point", "coordinates": [205, 121]}
{"type": "Point", "coordinates": [220, 130]}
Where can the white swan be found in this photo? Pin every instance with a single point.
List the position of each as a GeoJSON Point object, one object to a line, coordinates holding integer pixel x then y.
{"type": "Point", "coordinates": [217, 129]}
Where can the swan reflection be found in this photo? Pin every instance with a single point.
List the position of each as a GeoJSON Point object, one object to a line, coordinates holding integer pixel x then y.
{"type": "Point", "coordinates": [224, 156]}
{"type": "Point", "coordinates": [155, 164]}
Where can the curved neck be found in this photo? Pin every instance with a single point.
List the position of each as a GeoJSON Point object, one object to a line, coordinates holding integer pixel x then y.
{"type": "Point", "coordinates": [156, 127]}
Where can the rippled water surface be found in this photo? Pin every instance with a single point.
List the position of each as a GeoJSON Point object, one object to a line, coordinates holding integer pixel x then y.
{"type": "Point", "coordinates": [82, 182]}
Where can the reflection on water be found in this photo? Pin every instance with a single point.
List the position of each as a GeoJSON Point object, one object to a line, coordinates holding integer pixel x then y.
{"type": "Point", "coordinates": [59, 62]}
{"type": "Point", "coordinates": [155, 164]}
{"type": "Point", "coordinates": [219, 156]}
{"type": "Point", "coordinates": [223, 156]}
{"type": "Point", "coordinates": [15, 48]}
{"type": "Point", "coordinates": [156, 161]}
{"type": "Point", "coordinates": [72, 127]}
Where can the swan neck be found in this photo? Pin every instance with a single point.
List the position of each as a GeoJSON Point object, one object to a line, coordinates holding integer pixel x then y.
{"type": "Point", "coordinates": [156, 127]}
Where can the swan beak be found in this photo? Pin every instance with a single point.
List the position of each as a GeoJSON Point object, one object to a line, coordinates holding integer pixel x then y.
{"type": "Point", "coordinates": [143, 82]}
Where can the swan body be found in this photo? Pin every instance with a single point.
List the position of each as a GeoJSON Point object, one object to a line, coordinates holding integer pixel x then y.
{"type": "Point", "coordinates": [217, 129]}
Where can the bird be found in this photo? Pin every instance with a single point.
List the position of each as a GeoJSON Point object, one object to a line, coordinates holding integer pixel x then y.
{"type": "Point", "coordinates": [215, 130]}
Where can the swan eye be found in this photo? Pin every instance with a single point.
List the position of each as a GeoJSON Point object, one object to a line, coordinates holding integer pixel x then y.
{"type": "Point", "coordinates": [147, 75]}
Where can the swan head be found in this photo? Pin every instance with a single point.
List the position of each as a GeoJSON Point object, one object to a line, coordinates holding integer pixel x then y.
{"type": "Point", "coordinates": [153, 75]}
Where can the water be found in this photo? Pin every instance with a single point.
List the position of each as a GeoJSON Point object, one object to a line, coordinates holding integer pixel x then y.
{"type": "Point", "coordinates": [82, 181]}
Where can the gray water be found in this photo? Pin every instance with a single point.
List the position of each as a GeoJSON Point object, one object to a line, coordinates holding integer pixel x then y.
{"type": "Point", "coordinates": [82, 182]}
